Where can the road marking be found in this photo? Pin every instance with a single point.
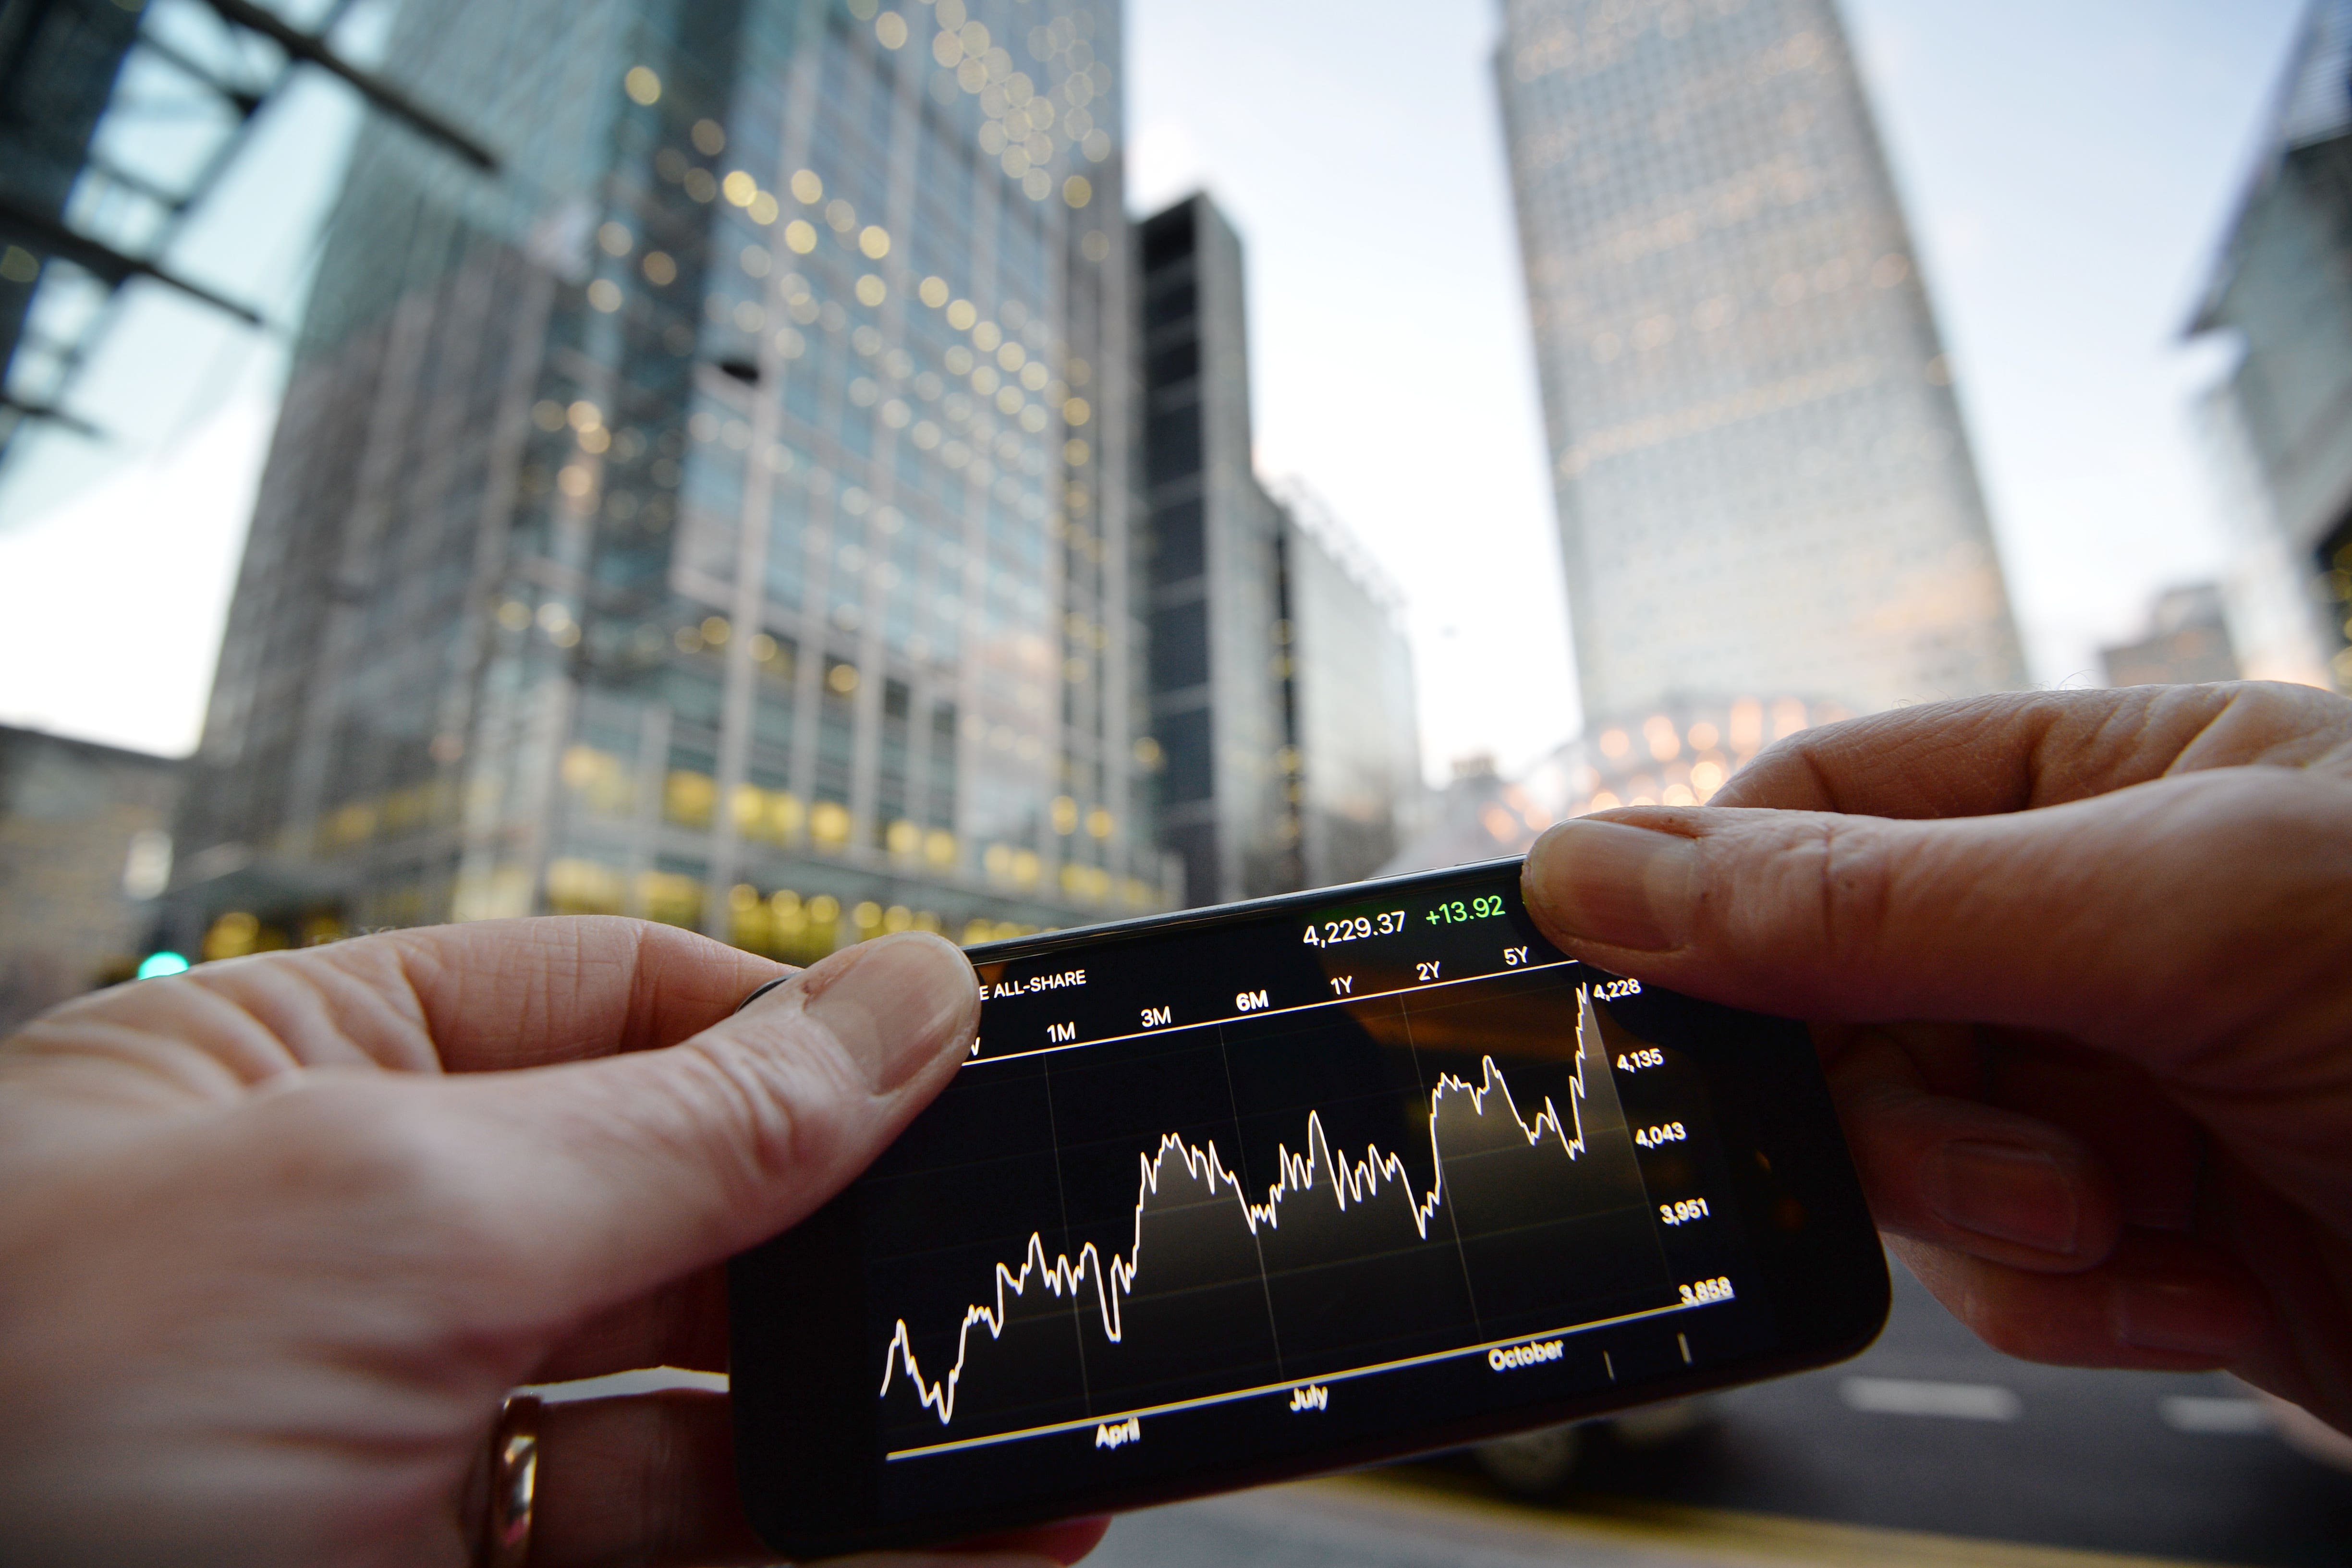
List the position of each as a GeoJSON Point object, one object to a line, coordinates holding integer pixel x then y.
{"type": "Point", "coordinates": [1667, 1535]}
{"type": "Point", "coordinates": [1910, 1396]}
{"type": "Point", "coordinates": [2204, 1413]}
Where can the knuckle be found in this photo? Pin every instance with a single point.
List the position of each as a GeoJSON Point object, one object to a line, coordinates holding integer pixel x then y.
{"type": "Point", "coordinates": [377, 1167]}
{"type": "Point", "coordinates": [1819, 888]}
{"type": "Point", "coordinates": [777, 1114]}
{"type": "Point", "coordinates": [1854, 885]}
{"type": "Point", "coordinates": [327, 1134]}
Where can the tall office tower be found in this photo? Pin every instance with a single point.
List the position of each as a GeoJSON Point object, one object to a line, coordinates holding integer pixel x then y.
{"type": "Point", "coordinates": [1762, 480]}
{"type": "Point", "coordinates": [2282, 437]}
{"type": "Point", "coordinates": [709, 519]}
{"type": "Point", "coordinates": [1280, 684]}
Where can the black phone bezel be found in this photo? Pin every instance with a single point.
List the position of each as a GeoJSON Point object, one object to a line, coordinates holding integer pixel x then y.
{"type": "Point", "coordinates": [804, 1487]}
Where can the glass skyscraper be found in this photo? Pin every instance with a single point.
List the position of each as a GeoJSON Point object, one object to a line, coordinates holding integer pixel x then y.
{"type": "Point", "coordinates": [1762, 481]}
{"type": "Point", "coordinates": [721, 515]}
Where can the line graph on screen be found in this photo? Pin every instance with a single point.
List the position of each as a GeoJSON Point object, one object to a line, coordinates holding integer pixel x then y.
{"type": "Point", "coordinates": [1496, 1167]}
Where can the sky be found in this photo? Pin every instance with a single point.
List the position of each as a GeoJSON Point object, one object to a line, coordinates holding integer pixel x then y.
{"type": "Point", "coordinates": [2066, 171]}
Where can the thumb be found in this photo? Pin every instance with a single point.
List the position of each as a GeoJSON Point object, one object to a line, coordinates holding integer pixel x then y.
{"type": "Point", "coordinates": [617, 1176]}
{"type": "Point", "coordinates": [2142, 920]}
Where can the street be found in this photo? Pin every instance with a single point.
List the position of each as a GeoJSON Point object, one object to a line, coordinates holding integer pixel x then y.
{"type": "Point", "coordinates": [1930, 1447]}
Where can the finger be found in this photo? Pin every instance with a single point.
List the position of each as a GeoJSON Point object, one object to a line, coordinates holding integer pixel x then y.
{"type": "Point", "coordinates": [2141, 921]}
{"type": "Point", "coordinates": [681, 1324]}
{"type": "Point", "coordinates": [2020, 750]}
{"type": "Point", "coordinates": [2113, 1107]}
{"type": "Point", "coordinates": [2161, 1304]}
{"type": "Point", "coordinates": [2302, 1265]}
{"type": "Point", "coordinates": [520, 993]}
{"type": "Point", "coordinates": [613, 1177]}
{"type": "Point", "coordinates": [650, 1480]}
{"type": "Point", "coordinates": [1969, 1176]}
{"type": "Point", "coordinates": [486, 994]}
{"type": "Point", "coordinates": [1945, 1057]}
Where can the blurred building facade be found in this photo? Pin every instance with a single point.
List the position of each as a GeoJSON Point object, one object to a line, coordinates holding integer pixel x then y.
{"type": "Point", "coordinates": [2279, 426]}
{"type": "Point", "coordinates": [721, 515]}
{"type": "Point", "coordinates": [1678, 754]}
{"type": "Point", "coordinates": [1349, 706]}
{"type": "Point", "coordinates": [2188, 642]}
{"type": "Point", "coordinates": [59, 60]}
{"type": "Point", "coordinates": [1280, 683]}
{"type": "Point", "coordinates": [1762, 480]}
{"type": "Point", "coordinates": [85, 847]}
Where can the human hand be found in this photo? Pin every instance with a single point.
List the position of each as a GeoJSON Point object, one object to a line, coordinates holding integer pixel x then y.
{"type": "Point", "coordinates": [277, 1236]}
{"type": "Point", "coordinates": [2081, 964]}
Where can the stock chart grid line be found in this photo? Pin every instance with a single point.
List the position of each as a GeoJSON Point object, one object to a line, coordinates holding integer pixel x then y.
{"type": "Point", "coordinates": [1203, 1184]}
{"type": "Point", "coordinates": [976, 1059]}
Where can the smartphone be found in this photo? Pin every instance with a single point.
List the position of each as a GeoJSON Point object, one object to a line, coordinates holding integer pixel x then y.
{"type": "Point", "coordinates": [1247, 1193]}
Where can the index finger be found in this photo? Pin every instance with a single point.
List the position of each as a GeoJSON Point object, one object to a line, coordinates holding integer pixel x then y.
{"type": "Point", "coordinates": [481, 997]}
{"type": "Point", "coordinates": [517, 993]}
{"type": "Point", "coordinates": [2016, 750]}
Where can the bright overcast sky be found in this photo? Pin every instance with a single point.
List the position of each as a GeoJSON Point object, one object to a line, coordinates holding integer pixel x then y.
{"type": "Point", "coordinates": [2066, 169]}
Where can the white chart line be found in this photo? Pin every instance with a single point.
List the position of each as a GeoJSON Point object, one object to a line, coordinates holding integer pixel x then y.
{"type": "Point", "coordinates": [1352, 1183]}
{"type": "Point", "coordinates": [1290, 1382]}
{"type": "Point", "coordinates": [1267, 1013]}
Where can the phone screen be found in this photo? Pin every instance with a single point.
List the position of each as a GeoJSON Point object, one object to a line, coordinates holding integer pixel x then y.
{"type": "Point", "coordinates": [1268, 1186]}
